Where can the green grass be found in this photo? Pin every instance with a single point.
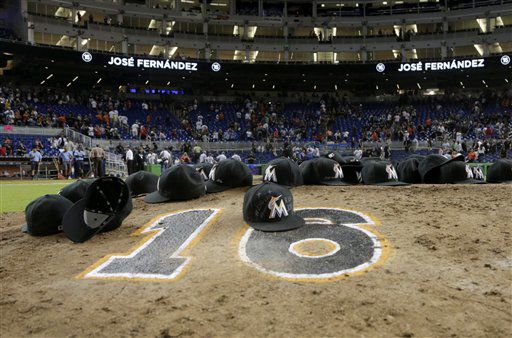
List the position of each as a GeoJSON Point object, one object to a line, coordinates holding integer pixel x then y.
{"type": "Point", "coordinates": [15, 195]}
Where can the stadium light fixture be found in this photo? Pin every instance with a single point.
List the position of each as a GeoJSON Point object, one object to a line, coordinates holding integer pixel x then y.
{"type": "Point", "coordinates": [232, 85]}
{"type": "Point", "coordinates": [506, 80]}
{"type": "Point", "coordinates": [76, 78]}
{"type": "Point", "coordinates": [168, 82]}
{"type": "Point", "coordinates": [69, 84]}
{"type": "Point", "coordinates": [273, 86]}
{"type": "Point", "coordinates": [253, 86]}
{"type": "Point", "coordinates": [49, 76]}
{"type": "Point", "coordinates": [147, 81]}
{"type": "Point", "coordinates": [42, 82]}
{"type": "Point", "coordinates": [384, 2]}
{"type": "Point", "coordinates": [418, 84]}
{"type": "Point", "coordinates": [218, 4]}
{"type": "Point", "coordinates": [99, 80]}
{"type": "Point", "coordinates": [335, 87]}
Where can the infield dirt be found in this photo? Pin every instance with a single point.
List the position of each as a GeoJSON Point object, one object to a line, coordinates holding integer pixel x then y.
{"type": "Point", "coordinates": [449, 273]}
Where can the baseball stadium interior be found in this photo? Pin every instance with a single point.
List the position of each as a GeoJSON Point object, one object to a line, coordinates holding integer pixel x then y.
{"type": "Point", "coordinates": [114, 112]}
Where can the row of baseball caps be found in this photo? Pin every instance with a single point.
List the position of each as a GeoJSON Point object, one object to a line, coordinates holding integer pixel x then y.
{"type": "Point", "coordinates": [86, 207]}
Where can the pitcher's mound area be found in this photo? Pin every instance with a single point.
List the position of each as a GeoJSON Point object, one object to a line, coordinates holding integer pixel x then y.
{"type": "Point", "coordinates": [370, 261]}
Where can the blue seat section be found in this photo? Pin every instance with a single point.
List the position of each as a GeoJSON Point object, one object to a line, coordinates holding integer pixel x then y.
{"type": "Point", "coordinates": [29, 141]}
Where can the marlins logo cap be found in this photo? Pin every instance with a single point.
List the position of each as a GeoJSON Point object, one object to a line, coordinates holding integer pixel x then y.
{"type": "Point", "coordinates": [44, 215]}
{"type": "Point", "coordinates": [283, 171]}
{"type": "Point", "coordinates": [228, 174]}
{"type": "Point", "coordinates": [178, 183]}
{"type": "Point", "coordinates": [106, 204]}
{"type": "Point", "coordinates": [500, 171]}
{"type": "Point", "coordinates": [458, 172]}
{"type": "Point", "coordinates": [380, 173]}
{"type": "Point", "coordinates": [269, 207]}
{"type": "Point", "coordinates": [76, 190]}
{"type": "Point", "coordinates": [322, 171]}
{"type": "Point", "coordinates": [142, 182]}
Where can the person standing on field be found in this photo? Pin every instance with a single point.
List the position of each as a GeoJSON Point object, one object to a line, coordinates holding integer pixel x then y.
{"type": "Point", "coordinates": [97, 156]}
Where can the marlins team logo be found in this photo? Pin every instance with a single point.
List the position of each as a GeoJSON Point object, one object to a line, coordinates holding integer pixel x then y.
{"type": "Point", "coordinates": [338, 171]}
{"type": "Point", "coordinates": [505, 60]}
{"type": "Point", "coordinates": [270, 174]}
{"type": "Point", "coordinates": [211, 176]}
{"type": "Point", "coordinates": [469, 172]}
{"type": "Point", "coordinates": [216, 66]}
{"type": "Point", "coordinates": [202, 173]}
{"type": "Point", "coordinates": [380, 67]}
{"type": "Point", "coordinates": [477, 173]}
{"type": "Point", "coordinates": [392, 175]}
{"type": "Point", "coordinates": [86, 56]}
{"type": "Point", "coordinates": [277, 207]}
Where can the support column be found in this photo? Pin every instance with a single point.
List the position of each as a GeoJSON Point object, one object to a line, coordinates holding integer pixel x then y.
{"type": "Point", "coordinates": [124, 46]}
{"type": "Point", "coordinates": [444, 51]}
{"type": "Point", "coordinates": [364, 55]}
{"type": "Point", "coordinates": [205, 28]}
{"type": "Point", "coordinates": [207, 53]}
{"type": "Point", "coordinates": [30, 32]}
{"type": "Point", "coordinates": [120, 19]}
{"type": "Point", "coordinates": [260, 7]}
{"type": "Point", "coordinates": [286, 55]}
{"type": "Point", "coordinates": [246, 26]}
{"type": "Point", "coordinates": [314, 9]}
{"type": "Point", "coordinates": [247, 55]}
{"type": "Point", "coordinates": [232, 7]}
{"type": "Point", "coordinates": [487, 23]}
{"type": "Point", "coordinates": [402, 51]}
{"type": "Point", "coordinates": [177, 5]}
{"type": "Point", "coordinates": [163, 26]}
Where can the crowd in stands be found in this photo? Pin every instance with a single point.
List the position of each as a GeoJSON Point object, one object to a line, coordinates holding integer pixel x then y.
{"type": "Point", "coordinates": [469, 124]}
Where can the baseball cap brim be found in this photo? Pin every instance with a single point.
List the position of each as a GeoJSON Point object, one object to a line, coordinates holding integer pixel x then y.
{"type": "Point", "coordinates": [334, 182]}
{"type": "Point", "coordinates": [156, 197]}
{"type": "Point", "coordinates": [74, 226]}
{"type": "Point", "coordinates": [212, 187]}
{"type": "Point", "coordinates": [392, 184]}
{"type": "Point", "coordinates": [470, 181]}
{"type": "Point", "coordinates": [288, 223]}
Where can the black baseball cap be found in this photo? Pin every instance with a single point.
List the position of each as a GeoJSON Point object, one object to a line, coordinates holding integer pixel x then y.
{"type": "Point", "coordinates": [178, 183]}
{"type": "Point", "coordinates": [352, 172]}
{"type": "Point", "coordinates": [458, 172]}
{"type": "Point", "coordinates": [44, 215]}
{"type": "Point", "coordinates": [408, 170]}
{"type": "Point", "coordinates": [334, 155]}
{"type": "Point", "coordinates": [204, 169]}
{"type": "Point", "coordinates": [76, 190]}
{"type": "Point", "coordinates": [142, 182]}
{"type": "Point", "coordinates": [228, 174]}
{"type": "Point", "coordinates": [429, 167]}
{"type": "Point", "coordinates": [269, 207]}
{"type": "Point", "coordinates": [322, 171]}
{"type": "Point", "coordinates": [380, 173]}
{"type": "Point", "coordinates": [283, 171]}
{"type": "Point", "coordinates": [500, 171]}
{"type": "Point", "coordinates": [106, 204]}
